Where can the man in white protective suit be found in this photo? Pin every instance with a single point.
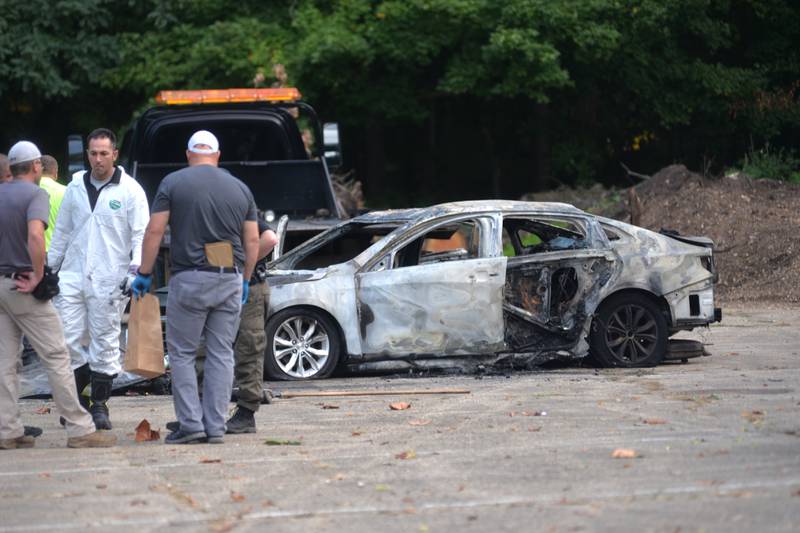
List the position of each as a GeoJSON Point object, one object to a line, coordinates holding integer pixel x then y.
{"type": "Point", "coordinates": [96, 243]}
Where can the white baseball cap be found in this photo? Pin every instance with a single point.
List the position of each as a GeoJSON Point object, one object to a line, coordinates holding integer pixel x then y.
{"type": "Point", "coordinates": [22, 152]}
{"type": "Point", "coordinates": [203, 137]}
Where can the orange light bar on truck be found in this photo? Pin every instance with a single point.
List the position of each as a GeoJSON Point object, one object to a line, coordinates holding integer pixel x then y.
{"type": "Point", "coordinates": [224, 96]}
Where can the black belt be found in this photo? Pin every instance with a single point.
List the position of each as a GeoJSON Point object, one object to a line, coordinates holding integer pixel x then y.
{"type": "Point", "coordinates": [219, 270]}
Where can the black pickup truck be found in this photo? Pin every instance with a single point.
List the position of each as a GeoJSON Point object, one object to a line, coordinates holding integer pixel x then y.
{"type": "Point", "coordinates": [269, 138]}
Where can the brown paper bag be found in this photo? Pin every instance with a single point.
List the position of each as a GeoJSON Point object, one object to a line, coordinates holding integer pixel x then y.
{"type": "Point", "coordinates": [145, 353]}
{"type": "Point", "coordinates": [219, 254]}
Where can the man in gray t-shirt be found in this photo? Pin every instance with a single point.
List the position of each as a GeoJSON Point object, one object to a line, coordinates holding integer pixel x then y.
{"type": "Point", "coordinates": [20, 203]}
{"type": "Point", "coordinates": [206, 204]}
{"type": "Point", "coordinates": [203, 205]}
{"type": "Point", "coordinates": [24, 212]}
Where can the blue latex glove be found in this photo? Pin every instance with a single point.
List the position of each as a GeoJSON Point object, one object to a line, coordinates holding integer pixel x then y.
{"type": "Point", "coordinates": [245, 290]}
{"type": "Point", "coordinates": [141, 285]}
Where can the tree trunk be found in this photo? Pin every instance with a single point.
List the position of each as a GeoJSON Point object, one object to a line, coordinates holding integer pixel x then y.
{"type": "Point", "coordinates": [375, 180]}
{"type": "Point", "coordinates": [542, 147]}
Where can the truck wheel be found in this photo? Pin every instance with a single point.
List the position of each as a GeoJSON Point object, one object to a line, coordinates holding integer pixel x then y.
{"type": "Point", "coordinates": [629, 331]}
{"type": "Point", "coordinates": [302, 343]}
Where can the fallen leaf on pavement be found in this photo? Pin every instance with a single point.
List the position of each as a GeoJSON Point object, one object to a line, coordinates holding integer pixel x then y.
{"type": "Point", "coordinates": [796, 493]}
{"type": "Point", "coordinates": [222, 527]}
{"type": "Point", "coordinates": [144, 433]}
{"type": "Point", "coordinates": [278, 442]}
{"type": "Point", "coordinates": [739, 494]}
{"type": "Point", "coordinates": [329, 406]}
{"type": "Point", "coordinates": [207, 461]}
{"type": "Point", "coordinates": [43, 410]}
{"type": "Point", "coordinates": [654, 421]}
{"type": "Point", "coordinates": [753, 416]}
{"type": "Point", "coordinates": [624, 453]}
{"type": "Point", "coordinates": [408, 454]}
{"type": "Point", "coordinates": [399, 406]}
{"type": "Point", "coordinates": [237, 496]}
{"type": "Point", "coordinates": [421, 422]}
{"type": "Point", "coordinates": [355, 434]}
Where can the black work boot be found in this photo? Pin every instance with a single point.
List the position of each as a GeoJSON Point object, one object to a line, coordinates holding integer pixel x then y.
{"type": "Point", "coordinates": [83, 375]}
{"type": "Point", "coordinates": [242, 421]}
{"type": "Point", "coordinates": [101, 391]}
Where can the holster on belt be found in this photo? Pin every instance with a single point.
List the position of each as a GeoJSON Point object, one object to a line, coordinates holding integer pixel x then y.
{"type": "Point", "coordinates": [219, 254]}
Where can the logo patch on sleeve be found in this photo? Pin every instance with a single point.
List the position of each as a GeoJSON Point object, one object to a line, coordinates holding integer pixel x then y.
{"type": "Point", "coordinates": [114, 204]}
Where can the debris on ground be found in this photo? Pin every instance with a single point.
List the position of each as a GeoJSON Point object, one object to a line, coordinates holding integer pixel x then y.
{"type": "Point", "coordinates": [144, 433]}
{"type": "Point", "coordinates": [399, 406]}
{"type": "Point", "coordinates": [408, 454]}
{"type": "Point", "coordinates": [279, 442]}
{"type": "Point", "coordinates": [624, 453]}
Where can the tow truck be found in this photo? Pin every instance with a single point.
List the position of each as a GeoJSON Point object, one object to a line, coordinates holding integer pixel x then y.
{"type": "Point", "coordinates": [269, 138]}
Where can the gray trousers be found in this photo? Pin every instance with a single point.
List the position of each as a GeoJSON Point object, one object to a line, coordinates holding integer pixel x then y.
{"type": "Point", "coordinates": [202, 304]}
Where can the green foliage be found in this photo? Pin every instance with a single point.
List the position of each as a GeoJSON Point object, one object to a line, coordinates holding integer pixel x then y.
{"type": "Point", "coordinates": [768, 163]}
{"type": "Point", "coordinates": [574, 160]}
{"type": "Point", "coordinates": [223, 54]}
{"type": "Point", "coordinates": [567, 81]}
{"type": "Point", "coordinates": [51, 50]}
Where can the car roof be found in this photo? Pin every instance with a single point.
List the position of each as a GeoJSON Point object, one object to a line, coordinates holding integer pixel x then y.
{"type": "Point", "coordinates": [472, 206]}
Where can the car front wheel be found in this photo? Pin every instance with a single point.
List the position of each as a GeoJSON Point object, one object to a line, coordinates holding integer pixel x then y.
{"type": "Point", "coordinates": [629, 330]}
{"type": "Point", "coordinates": [302, 343]}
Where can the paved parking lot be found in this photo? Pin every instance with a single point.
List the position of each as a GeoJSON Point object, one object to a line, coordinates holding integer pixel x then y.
{"type": "Point", "coordinates": [716, 445]}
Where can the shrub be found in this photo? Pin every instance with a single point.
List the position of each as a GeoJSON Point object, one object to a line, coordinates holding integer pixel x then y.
{"type": "Point", "coordinates": [767, 163]}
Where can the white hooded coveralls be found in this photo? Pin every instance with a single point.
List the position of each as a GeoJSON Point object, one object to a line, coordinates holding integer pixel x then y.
{"type": "Point", "coordinates": [94, 250]}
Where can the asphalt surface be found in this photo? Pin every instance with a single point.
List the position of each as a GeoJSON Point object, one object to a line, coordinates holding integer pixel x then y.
{"type": "Point", "coordinates": [716, 445]}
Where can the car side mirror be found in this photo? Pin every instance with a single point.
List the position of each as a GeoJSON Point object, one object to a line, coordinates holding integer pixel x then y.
{"type": "Point", "coordinates": [75, 153]}
{"type": "Point", "coordinates": [332, 150]}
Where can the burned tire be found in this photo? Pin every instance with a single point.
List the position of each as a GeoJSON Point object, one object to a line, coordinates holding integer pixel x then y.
{"type": "Point", "coordinates": [302, 343]}
{"type": "Point", "coordinates": [629, 330]}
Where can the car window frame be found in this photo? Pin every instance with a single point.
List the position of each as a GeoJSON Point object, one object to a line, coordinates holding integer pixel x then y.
{"type": "Point", "coordinates": [489, 223]}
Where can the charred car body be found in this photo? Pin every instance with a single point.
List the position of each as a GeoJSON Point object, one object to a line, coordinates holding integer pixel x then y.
{"type": "Point", "coordinates": [493, 279]}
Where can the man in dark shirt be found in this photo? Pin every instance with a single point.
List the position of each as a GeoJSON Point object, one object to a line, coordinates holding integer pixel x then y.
{"type": "Point", "coordinates": [252, 340]}
{"type": "Point", "coordinates": [24, 211]}
{"type": "Point", "coordinates": [203, 205]}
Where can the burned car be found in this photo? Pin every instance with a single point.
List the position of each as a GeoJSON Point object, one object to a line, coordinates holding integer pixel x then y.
{"type": "Point", "coordinates": [491, 279]}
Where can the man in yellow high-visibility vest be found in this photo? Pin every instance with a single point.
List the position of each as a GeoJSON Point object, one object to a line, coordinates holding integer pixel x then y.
{"type": "Point", "coordinates": [50, 184]}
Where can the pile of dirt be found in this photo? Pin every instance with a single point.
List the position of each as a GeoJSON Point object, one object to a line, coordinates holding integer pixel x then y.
{"type": "Point", "coordinates": [755, 225]}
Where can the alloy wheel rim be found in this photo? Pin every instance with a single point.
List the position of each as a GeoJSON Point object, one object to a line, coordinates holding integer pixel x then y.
{"type": "Point", "coordinates": [631, 334]}
{"type": "Point", "coordinates": [301, 347]}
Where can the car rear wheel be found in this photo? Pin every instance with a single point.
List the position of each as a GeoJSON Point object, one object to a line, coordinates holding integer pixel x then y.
{"type": "Point", "coordinates": [302, 343]}
{"type": "Point", "coordinates": [629, 330]}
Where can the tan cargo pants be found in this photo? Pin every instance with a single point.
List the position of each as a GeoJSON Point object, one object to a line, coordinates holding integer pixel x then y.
{"type": "Point", "coordinates": [20, 314]}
